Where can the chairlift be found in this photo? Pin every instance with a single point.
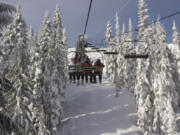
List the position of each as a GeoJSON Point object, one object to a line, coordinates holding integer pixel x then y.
{"type": "Point", "coordinates": [112, 53]}
{"type": "Point", "coordinates": [90, 45]}
{"type": "Point", "coordinates": [135, 40]}
{"type": "Point", "coordinates": [90, 51]}
{"type": "Point", "coordinates": [95, 48]}
{"type": "Point", "coordinates": [99, 50]}
{"type": "Point", "coordinates": [136, 56]}
{"type": "Point", "coordinates": [81, 51]}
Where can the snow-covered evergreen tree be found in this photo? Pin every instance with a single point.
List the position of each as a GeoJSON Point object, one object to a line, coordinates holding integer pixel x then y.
{"type": "Point", "coordinates": [120, 58]}
{"type": "Point", "coordinates": [124, 39]}
{"type": "Point", "coordinates": [47, 67]}
{"type": "Point", "coordinates": [144, 96]}
{"type": "Point", "coordinates": [7, 124]}
{"type": "Point", "coordinates": [59, 31]}
{"type": "Point", "coordinates": [64, 40]}
{"type": "Point", "coordinates": [113, 43]}
{"type": "Point", "coordinates": [164, 114]}
{"type": "Point", "coordinates": [117, 48]}
{"type": "Point", "coordinates": [117, 29]}
{"type": "Point", "coordinates": [31, 41]}
{"type": "Point", "coordinates": [164, 86]}
{"type": "Point", "coordinates": [112, 65]}
{"type": "Point", "coordinates": [143, 90]}
{"type": "Point", "coordinates": [176, 53]}
{"type": "Point", "coordinates": [19, 77]}
{"type": "Point", "coordinates": [176, 38]}
{"type": "Point", "coordinates": [143, 18]}
{"type": "Point", "coordinates": [64, 37]}
{"type": "Point", "coordinates": [31, 49]}
{"type": "Point", "coordinates": [9, 40]}
{"type": "Point", "coordinates": [37, 106]}
{"type": "Point", "coordinates": [60, 55]}
{"type": "Point", "coordinates": [53, 72]}
{"type": "Point", "coordinates": [57, 22]}
{"type": "Point", "coordinates": [34, 43]}
{"type": "Point", "coordinates": [60, 59]}
{"type": "Point", "coordinates": [131, 63]}
{"type": "Point", "coordinates": [108, 34]}
{"type": "Point", "coordinates": [109, 38]}
{"type": "Point", "coordinates": [161, 40]}
{"type": "Point", "coordinates": [45, 37]}
{"type": "Point", "coordinates": [37, 80]}
{"type": "Point", "coordinates": [58, 76]}
{"type": "Point", "coordinates": [6, 50]}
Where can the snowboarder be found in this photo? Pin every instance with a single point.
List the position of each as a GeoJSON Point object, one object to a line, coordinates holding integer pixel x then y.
{"type": "Point", "coordinates": [98, 68]}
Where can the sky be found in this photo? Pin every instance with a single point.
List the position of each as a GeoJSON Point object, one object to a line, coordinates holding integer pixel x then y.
{"type": "Point", "coordinates": [74, 13]}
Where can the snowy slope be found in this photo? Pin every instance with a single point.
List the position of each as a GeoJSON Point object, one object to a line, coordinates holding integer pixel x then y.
{"type": "Point", "coordinates": [93, 109]}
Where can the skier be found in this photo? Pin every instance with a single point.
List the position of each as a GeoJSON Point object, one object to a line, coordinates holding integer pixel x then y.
{"type": "Point", "coordinates": [98, 68]}
{"type": "Point", "coordinates": [88, 70]}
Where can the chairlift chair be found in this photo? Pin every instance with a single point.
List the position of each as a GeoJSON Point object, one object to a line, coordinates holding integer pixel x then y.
{"type": "Point", "coordinates": [113, 53]}
{"type": "Point", "coordinates": [95, 48]}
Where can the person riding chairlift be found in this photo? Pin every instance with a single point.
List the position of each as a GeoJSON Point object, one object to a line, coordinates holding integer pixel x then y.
{"type": "Point", "coordinates": [98, 68]}
{"type": "Point", "coordinates": [88, 70]}
{"type": "Point", "coordinates": [72, 72]}
{"type": "Point", "coordinates": [79, 71]}
{"type": "Point", "coordinates": [75, 60]}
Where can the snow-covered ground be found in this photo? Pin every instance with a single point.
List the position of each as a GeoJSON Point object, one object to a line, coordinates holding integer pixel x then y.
{"type": "Point", "coordinates": [92, 109]}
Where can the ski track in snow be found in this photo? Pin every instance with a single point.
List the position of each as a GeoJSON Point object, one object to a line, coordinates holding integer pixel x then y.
{"type": "Point", "coordinates": [92, 109]}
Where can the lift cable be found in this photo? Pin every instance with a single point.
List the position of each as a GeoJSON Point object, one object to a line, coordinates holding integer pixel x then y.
{"type": "Point", "coordinates": [112, 17]}
{"type": "Point", "coordinates": [103, 44]}
{"type": "Point", "coordinates": [90, 5]}
{"type": "Point", "coordinates": [137, 29]}
{"type": "Point", "coordinates": [161, 19]}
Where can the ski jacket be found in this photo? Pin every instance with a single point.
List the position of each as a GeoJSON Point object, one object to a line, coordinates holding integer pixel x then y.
{"type": "Point", "coordinates": [75, 60]}
{"type": "Point", "coordinates": [88, 68]}
{"type": "Point", "coordinates": [98, 67]}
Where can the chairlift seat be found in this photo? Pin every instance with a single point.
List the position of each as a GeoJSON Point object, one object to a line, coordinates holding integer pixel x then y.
{"type": "Point", "coordinates": [113, 53]}
{"type": "Point", "coordinates": [136, 56]}
{"type": "Point", "coordinates": [95, 48]}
